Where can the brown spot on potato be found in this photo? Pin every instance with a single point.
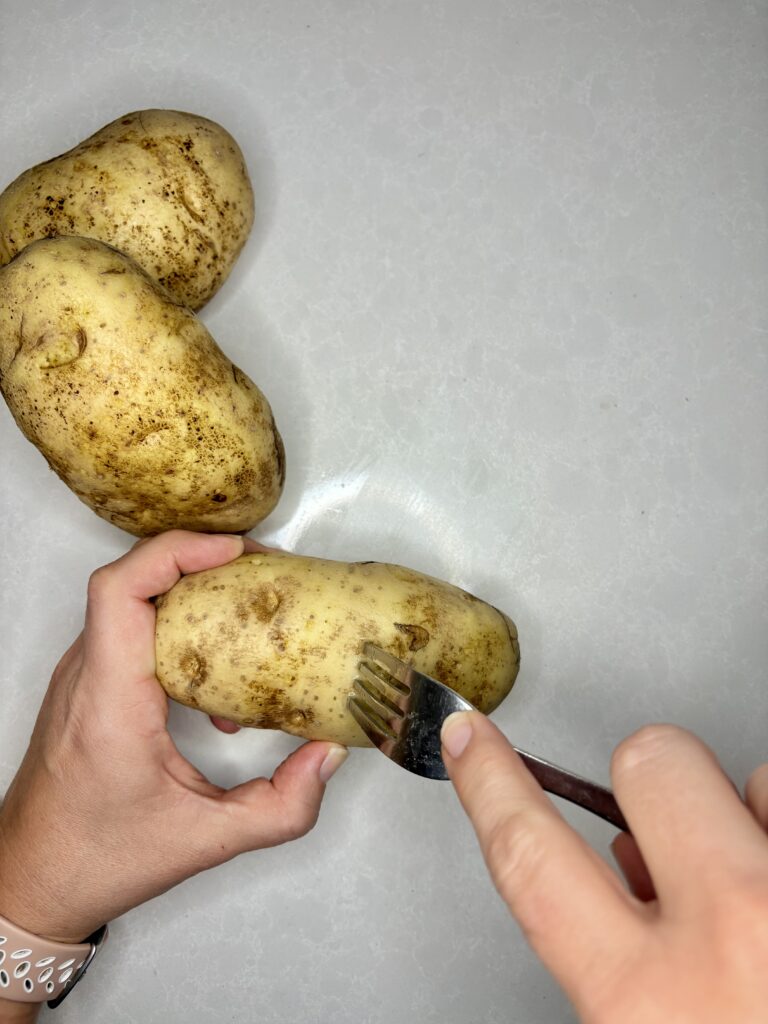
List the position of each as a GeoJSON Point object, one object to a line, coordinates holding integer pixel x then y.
{"type": "Point", "coordinates": [240, 378]}
{"type": "Point", "coordinates": [279, 454]}
{"type": "Point", "coordinates": [274, 709]}
{"type": "Point", "coordinates": [418, 637]}
{"type": "Point", "coordinates": [60, 348]}
{"type": "Point", "coordinates": [194, 668]}
{"type": "Point", "coordinates": [265, 601]}
{"type": "Point", "coordinates": [191, 206]}
{"type": "Point", "coordinates": [277, 637]}
{"type": "Point", "coordinates": [448, 670]}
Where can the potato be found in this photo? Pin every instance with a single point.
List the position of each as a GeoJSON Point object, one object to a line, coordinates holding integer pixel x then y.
{"type": "Point", "coordinates": [167, 188]}
{"type": "Point", "coordinates": [128, 396]}
{"type": "Point", "coordinates": [273, 640]}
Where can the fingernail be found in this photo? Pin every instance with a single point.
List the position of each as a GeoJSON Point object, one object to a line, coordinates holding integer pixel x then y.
{"type": "Point", "coordinates": [334, 759]}
{"type": "Point", "coordinates": [456, 733]}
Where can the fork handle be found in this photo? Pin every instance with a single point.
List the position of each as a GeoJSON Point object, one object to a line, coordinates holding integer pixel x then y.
{"type": "Point", "coordinates": [565, 784]}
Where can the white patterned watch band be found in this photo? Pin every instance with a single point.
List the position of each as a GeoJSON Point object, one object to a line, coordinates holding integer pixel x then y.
{"type": "Point", "coordinates": [35, 970]}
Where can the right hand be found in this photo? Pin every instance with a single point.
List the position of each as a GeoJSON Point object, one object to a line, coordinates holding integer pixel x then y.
{"type": "Point", "coordinates": [690, 942]}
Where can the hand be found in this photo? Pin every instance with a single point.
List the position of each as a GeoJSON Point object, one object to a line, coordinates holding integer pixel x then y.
{"type": "Point", "coordinates": [690, 942]}
{"type": "Point", "coordinates": [104, 812]}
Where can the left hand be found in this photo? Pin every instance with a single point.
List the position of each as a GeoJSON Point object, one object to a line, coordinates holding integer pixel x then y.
{"type": "Point", "coordinates": [104, 812]}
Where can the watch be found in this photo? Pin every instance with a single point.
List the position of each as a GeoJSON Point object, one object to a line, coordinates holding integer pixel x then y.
{"type": "Point", "coordinates": [35, 970]}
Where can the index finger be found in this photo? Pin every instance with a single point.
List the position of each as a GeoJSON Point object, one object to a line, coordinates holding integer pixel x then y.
{"type": "Point", "coordinates": [571, 906]}
{"type": "Point", "coordinates": [120, 620]}
{"type": "Point", "coordinates": [695, 833]}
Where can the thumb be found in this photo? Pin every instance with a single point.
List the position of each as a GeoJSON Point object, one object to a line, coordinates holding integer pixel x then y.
{"type": "Point", "coordinates": [268, 812]}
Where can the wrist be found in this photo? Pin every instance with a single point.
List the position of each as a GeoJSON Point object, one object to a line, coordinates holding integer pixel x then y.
{"type": "Point", "coordinates": [18, 1013]}
{"type": "Point", "coordinates": [43, 921]}
{"type": "Point", "coordinates": [44, 925]}
{"type": "Point", "coordinates": [29, 903]}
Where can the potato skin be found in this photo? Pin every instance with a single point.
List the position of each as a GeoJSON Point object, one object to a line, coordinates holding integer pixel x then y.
{"type": "Point", "coordinates": [273, 640]}
{"type": "Point", "coordinates": [167, 188]}
{"type": "Point", "coordinates": [128, 396]}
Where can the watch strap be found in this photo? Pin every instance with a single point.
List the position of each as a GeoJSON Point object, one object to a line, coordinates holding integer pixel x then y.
{"type": "Point", "coordinates": [35, 970]}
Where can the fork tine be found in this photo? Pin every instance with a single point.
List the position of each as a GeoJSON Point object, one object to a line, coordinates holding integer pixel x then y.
{"type": "Point", "coordinates": [392, 665]}
{"type": "Point", "coordinates": [383, 679]}
{"type": "Point", "coordinates": [370, 688]}
{"type": "Point", "coordinates": [377, 731]}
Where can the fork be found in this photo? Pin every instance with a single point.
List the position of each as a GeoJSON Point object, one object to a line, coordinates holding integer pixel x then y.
{"type": "Point", "coordinates": [401, 711]}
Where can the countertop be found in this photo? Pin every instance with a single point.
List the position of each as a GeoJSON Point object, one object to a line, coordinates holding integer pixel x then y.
{"type": "Point", "coordinates": [506, 295]}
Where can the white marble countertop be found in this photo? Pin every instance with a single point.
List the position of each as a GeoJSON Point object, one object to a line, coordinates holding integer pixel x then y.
{"type": "Point", "coordinates": [506, 294]}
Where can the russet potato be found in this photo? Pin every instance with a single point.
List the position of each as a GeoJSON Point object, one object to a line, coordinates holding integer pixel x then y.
{"type": "Point", "coordinates": [273, 640]}
{"type": "Point", "coordinates": [128, 396]}
{"type": "Point", "coordinates": [167, 188]}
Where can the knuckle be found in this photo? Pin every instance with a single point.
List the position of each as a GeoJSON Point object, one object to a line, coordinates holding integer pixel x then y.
{"type": "Point", "coordinates": [514, 854]}
{"type": "Point", "coordinates": [99, 582]}
{"type": "Point", "coordinates": [741, 910]}
{"type": "Point", "coordinates": [647, 744]}
{"type": "Point", "coordinates": [171, 537]}
{"type": "Point", "coordinates": [299, 820]}
{"type": "Point", "coordinates": [756, 793]}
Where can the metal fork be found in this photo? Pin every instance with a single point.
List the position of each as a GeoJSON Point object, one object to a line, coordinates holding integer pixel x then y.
{"type": "Point", "coordinates": [401, 711]}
